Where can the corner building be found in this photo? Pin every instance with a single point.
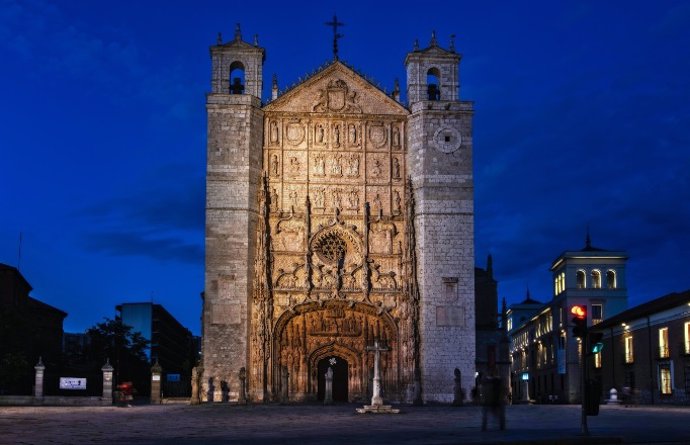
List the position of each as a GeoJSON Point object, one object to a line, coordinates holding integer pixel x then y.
{"type": "Point", "coordinates": [336, 215]}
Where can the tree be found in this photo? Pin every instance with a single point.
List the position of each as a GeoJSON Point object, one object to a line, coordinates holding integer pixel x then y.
{"type": "Point", "coordinates": [126, 349]}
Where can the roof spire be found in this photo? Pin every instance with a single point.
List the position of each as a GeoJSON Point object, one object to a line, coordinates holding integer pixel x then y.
{"type": "Point", "coordinates": [238, 33]}
{"type": "Point", "coordinates": [334, 24]}
{"type": "Point", "coordinates": [415, 46]}
{"type": "Point", "coordinates": [452, 43]}
{"type": "Point", "coordinates": [490, 266]}
{"type": "Point", "coordinates": [433, 39]}
{"type": "Point", "coordinates": [588, 239]}
{"type": "Point", "coordinates": [219, 39]}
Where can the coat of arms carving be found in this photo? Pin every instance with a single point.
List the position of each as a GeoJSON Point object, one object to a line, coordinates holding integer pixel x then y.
{"type": "Point", "coordinates": [337, 97]}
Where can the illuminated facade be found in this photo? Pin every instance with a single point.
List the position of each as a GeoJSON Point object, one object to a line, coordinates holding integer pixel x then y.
{"type": "Point", "coordinates": [646, 352]}
{"type": "Point", "coordinates": [336, 215]}
{"type": "Point", "coordinates": [545, 355]}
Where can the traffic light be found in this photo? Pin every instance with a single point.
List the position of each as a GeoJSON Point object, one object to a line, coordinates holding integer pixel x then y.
{"type": "Point", "coordinates": [594, 344]}
{"type": "Point", "coordinates": [579, 320]}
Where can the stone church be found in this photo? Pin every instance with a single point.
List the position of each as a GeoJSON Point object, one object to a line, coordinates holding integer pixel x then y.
{"type": "Point", "coordinates": [336, 215]}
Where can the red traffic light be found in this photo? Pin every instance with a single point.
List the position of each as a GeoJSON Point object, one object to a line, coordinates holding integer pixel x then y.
{"type": "Point", "coordinates": [579, 311]}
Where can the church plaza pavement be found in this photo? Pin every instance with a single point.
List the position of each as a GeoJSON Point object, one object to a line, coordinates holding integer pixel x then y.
{"type": "Point", "coordinates": [335, 425]}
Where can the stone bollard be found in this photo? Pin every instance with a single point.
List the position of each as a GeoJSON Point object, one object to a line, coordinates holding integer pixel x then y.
{"type": "Point", "coordinates": [328, 394]}
{"type": "Point", "coordinates": [613, 397]}
{"type": "Point", "coordinates": [156, 372]}
{"type": "Point", "coordinates": [38, 382]}
{"type": "Point", "coordinates": [107, 370]}
{"type": "Point", "coordinates": [242, 398]}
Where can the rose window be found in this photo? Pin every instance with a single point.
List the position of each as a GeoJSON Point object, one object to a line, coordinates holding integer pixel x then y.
{"type": "Point", "coordinates": [330, 247]}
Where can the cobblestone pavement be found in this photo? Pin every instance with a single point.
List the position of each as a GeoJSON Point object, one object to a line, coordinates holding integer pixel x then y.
{"type": "Point", "coordinates": [334, 425]}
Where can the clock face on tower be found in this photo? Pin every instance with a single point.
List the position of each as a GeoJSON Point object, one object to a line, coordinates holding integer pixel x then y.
{"type": "Point", "coordinates": [447, 139]}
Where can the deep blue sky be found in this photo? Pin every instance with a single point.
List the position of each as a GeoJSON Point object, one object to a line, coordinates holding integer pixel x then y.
{"type": "Point", "coordinates": [582, 118]}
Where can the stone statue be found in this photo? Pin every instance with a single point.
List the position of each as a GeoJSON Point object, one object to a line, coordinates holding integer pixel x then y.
{"type": "Point", "coordinates": [353, 134]}
{"type": "Point", "coordinates": [328, 393]}
{"type": "Point", "coordinates": [274, 165]}
{"type": "Point", "coordinates": [242, 398]}
{"type": "Point", "coordinates": [396, 168]}
{"type": "Point", "coordinates": [396, 137]}
{"type": "Point", "coordinates": [458, 394]}
{"type": "Point", "coordinates": [274, 132]}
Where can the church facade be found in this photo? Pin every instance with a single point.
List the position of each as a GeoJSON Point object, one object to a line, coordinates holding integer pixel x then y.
{"type": "Point", "coordinates": [337, 216]}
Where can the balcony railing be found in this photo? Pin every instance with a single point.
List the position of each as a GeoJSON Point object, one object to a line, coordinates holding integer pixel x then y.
{"type": "Point", "coordinates": [687, 347]}
{"type": "Point", "coordinates": [629, 357]}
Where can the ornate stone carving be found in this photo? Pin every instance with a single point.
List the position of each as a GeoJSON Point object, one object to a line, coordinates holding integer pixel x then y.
{"type": "Point", "coordinates": [319, 165]}
{"type": "Point", "coordinates": [275, 165]}
{"type": "Point", "coordinates": [290, 234]}
{"type": "Point", "coordinates": [353, 166]}
{"type": "Point", "coordinates": [396, 169]}
{"type": "Point", "coordinates": [337, 97]}
{"type": "Point", "coordinates": [294, 133]}
{"type": "Point", "coordinates": [273, 133]}
{"type": "Point", "coordinates": [377, 135]}
{"type": "Point", "coordinates": [337, 165]}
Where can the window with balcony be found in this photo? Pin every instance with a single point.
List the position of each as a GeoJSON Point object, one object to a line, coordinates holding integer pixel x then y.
{"type": "Point", "coordinates": [665, 379]}
{"type": "Point", "coordinates": [663, 342]}
{"type": "Point", "coordinates": [597, 313]}
{"type": "Point", "coordinates": [628, 349]}
{"type": "Point", "coordinates": [687, 337]}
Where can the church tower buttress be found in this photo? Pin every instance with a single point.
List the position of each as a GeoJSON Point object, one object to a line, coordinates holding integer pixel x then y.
{"type": "Point", "coordinates": [234, 163]}
{"type": "Point", "coordinates": [440, 159]}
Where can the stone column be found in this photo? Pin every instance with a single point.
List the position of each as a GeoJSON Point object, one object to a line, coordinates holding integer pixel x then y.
{"type": "Point", "coordinates": [107, 369]}
{"type": "Point", "coordinates": [195, 399]}
{"type": "Point", "coordinates": [156, 372]}
{"type": "Point", "coordinates": [328, 394]}
{"type": "Point", "coordinates": [38, 385]}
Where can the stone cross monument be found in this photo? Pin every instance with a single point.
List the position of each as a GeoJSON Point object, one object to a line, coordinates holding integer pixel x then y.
{"type": "Point", "coordinates": [377, 405]}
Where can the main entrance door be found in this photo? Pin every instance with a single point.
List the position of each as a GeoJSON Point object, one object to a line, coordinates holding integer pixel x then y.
{"type": "Point", "coordinates": [340, 377]}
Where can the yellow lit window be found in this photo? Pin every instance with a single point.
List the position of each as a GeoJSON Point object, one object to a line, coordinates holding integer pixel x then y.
{"type": "Point", "coordinates": [629, 358]}
{"type": "Point", "coordinates": [597, 360]}
{"type": "Point", "coordinates": [597, 313]}
{"type": "Point", "coordinates": [663, 342]}
{"type": "Point", "coordinates": [687, 337]}
{"type": "Point", "coordinates": [665, 384]}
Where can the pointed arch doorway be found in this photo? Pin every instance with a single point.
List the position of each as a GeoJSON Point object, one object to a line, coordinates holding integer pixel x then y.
{"type": "Point", "coordinates": [340, 378]}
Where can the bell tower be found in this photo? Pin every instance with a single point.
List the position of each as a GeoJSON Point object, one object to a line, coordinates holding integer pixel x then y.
{"type": "Point", "coordinates": [440, 165]}
{"type": "Point", "coordinates": [234, 157]}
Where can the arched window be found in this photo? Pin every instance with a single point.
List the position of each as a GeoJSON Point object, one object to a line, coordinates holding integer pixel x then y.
{"type": "Point", "coordinates": [433, 84]}
{"type": "Point", "coordinates": [581, 283]}
{"type": "Point", "coordinates": [236, 78]}
{"type": "Point", "coordinates": [596, 279]}
{"type": "Point", "coordinates": [611, 279]}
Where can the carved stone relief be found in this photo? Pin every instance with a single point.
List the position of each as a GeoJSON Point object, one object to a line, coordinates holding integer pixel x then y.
{"type": "Point", "coordinates": [337, 97]}
{"type": "Point", "coordinates": [378, 135]}
{"type": "Point", "coordinates": [342, 264]}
